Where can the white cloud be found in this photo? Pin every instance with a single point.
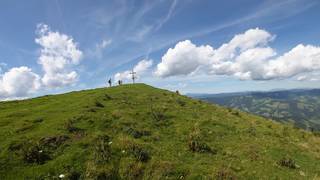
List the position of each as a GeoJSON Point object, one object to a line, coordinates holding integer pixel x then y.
{"type": "Point", "coordinates": [18, 82]}
{"type": "Point", "coordinates": [97, 50]}
{"type": "Point", "coordinates": [313, 76]}
{"type": "Point", "coordinates": [246, 56]}
{"type": "Point", "coordinates": [141, 68]}
{"type": "Point", "coordinates": [104, 43]}
{"type": "Point", "coordinates": [59, 53]}
{"type": "Point", "coordinates": [183, 59]}
{"type": "Point", "coordinates": [301, 59]}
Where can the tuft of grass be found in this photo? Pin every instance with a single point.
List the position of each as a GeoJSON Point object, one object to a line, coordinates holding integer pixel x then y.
{"type": "Point", "coordinates": [225, 174]}
{"type": "Point", "coordinates": [98, 104]}
{"type": "Point", "coordinates": [181, 102]}
{"type": "Point", "coordinates": [137, 133]}
{"type": "Point", "coordinates": [102, 150]}
{"type": "Point", "coordinates": [196, 143]}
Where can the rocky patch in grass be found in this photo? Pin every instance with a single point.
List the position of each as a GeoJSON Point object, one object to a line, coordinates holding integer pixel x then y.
{"type": "Point", "coordinates": [287, 162]}
{"type": "Point", "coordinates": [136, 133]}
{"type": "Point", "coordinates": [38, 152]}
{"type": "Point", "coordinates": [71, 128]}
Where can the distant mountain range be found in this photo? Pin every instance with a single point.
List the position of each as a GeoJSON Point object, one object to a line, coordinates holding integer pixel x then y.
{"type": "Point", "coordinates": [298, 106]}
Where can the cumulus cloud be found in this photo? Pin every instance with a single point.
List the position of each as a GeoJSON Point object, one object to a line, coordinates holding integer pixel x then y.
{"type": "Point", "coordinates": [183, 59]}
{"type": "Point", "coordinates": [141, 68]}
{"type": "Point", "coordinates": [246, 56]}
{"type": "Point", "coordinates": [58, 55]}
{"type": "Point", "coordinates": [18, 82]}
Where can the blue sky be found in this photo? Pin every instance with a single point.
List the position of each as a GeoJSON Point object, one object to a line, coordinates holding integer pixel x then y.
{"type": "Point", "coordinates": [108, 38]}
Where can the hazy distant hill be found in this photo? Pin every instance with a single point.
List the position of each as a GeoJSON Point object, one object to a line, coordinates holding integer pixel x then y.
{"type": "Point", "coordinates": [301, 107]}
{"type": "Point", "coordinates": [140, 132]}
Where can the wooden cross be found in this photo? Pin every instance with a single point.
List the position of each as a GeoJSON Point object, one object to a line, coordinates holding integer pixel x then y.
{"type": "Point", "coordinates": [133, 76]}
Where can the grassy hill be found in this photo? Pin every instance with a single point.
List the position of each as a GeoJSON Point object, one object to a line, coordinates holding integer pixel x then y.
{"type": "Point", "coordinates": [299, 107]}
{"type": "Point", "coordinates": [140, 132]}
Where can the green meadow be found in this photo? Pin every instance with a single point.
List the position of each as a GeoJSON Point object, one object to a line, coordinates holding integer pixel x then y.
{"type": "Point", "coordinates": [140, 132]}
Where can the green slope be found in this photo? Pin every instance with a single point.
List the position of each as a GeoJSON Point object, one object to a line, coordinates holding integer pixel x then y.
{"type": "Point", "coordinates": [140, 132]}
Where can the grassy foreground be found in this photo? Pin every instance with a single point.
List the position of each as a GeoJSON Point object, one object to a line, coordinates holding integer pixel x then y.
{"type": "Point", "coordinates": [140, 132]}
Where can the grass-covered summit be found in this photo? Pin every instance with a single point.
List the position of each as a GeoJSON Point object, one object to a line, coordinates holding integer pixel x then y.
{"type": "Point", "coordinates": [140, 132]}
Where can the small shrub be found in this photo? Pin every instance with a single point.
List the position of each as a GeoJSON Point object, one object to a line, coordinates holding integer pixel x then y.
{"type": "Point", "coordinates": [38, 120]}
{"type": "Point", "coordinates": [165, 170]}
{"type": "Point", "coordinates": [285, 131]}
{"type": "Point", "coordinates": [287, 162]}
{"type": "Point", "coordinates": [196, 144]}
{"type": "Point", "coordinates": [25, 127]}
{"type": "Point", "coordinates": [107, 97]}
{"type": "Point", "coordinates": [181, 102]}
{"type": "Point", "coordinates": [141, 155]}
{"type": "Point", "coordinates": [33, 153]}
{"type": "Point", "coordinates": [101, 172]}
{"type": "Point", "coordinates": [15, 146]}
{"type": "Point", "coordinates": [236, 113]}
{"type": "Point", "coordinates": [74, 175]}
{"type": "Point", "coordinates": [53, 142]}
{"type": "Point", "coordinates": [69, 126]}
{"type": "Point", "coordinates": [38, 151]}
{"type": "Point", "coordinates": [134, 171]}
{"type": "Point", "coordinates": [136, 133]}
{"type": "Point", "coordinates": [92, 109]}
{"type": "Point", "coordinates": [253, 152]}
{"type": "Point", "coordinates": [102, 149]}
{"type": "Point", "coordinates": [316, 133]}
{"type": "Point", "coordinates": [116, 115]}
{"type": "Point", "coordinates": [252, 131]}
{"type": "Point", "coordinates": [158, 114]}
{"type": "Point", "coordinates": [138, 152]}
{"type": "Point", "coordinates": [225, 174]}
{"type": "Point", "coordinates": [269, 126]}
{"type": "Point", "coordinates": [98, 104]}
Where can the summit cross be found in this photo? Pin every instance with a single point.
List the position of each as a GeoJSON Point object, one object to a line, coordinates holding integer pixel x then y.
{"type": "Point", "coordinates": [133, 76]}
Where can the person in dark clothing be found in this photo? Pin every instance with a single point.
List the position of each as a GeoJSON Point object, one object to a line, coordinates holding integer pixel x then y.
{"type": "Point", "coordinates": [110, 82]}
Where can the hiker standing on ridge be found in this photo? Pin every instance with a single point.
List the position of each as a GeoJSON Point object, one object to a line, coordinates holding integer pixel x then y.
{"type": "Point", "coordinates": [119, 82]}
{"type": "Point", "coordinates": [110, 82]}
